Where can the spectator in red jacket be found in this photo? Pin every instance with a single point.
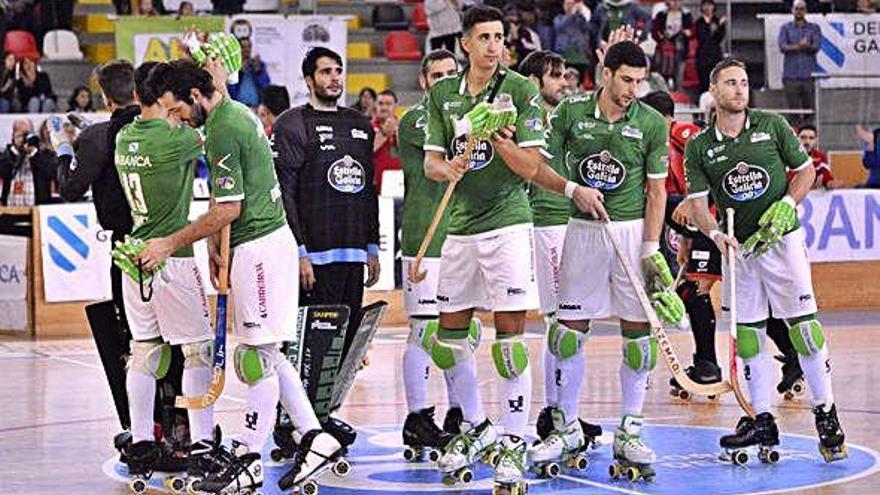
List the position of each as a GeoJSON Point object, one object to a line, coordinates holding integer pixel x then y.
{"type": "Point", "coordinates": [385, 124]}
{"type": "Point", "coordinates": [810, 141]}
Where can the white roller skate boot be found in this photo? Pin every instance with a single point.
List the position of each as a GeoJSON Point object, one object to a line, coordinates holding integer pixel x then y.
{"type": "Point", "coordinates": [510, 465]}
{"type": "Point", "coordinates": [564, 444]}
{"type": "Point", "coordinates": [632, 457]}
{"type": "Point", "coordinates": [464, 450]}
{"type": "Point", "coordinates": [318, 452]}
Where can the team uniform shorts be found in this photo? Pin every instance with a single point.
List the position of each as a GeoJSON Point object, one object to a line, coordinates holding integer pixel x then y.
{"type": "Point", "coordinates": [592, 281]}
{"type": "Point", "coordinates": [177, 308]}
{"type": "Point", "coordinates": [548, 254]}
{"type": "Point", "coordinates": [265, 288]}
{"type": "Point", "coordinates": [421, 299]}
{"type": "Point", "coordinates": [779, 281]}
{"type": "Point", "coordinates": [493, 270]}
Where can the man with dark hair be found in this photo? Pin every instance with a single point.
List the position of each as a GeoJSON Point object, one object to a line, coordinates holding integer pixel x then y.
{"type": "Point", "coordinates": [810, 140]}
{"type": "Point", "coordinates": [385, 122]}
{"type": "Point", "coordinates": [273, 102]}
{"type": "Point", "coordinates": [262, 275]}
{"type": "Point", "coordinates": [799, 41]}
{"type": "Point", "coordinates": [616, 145]}
{"type": "Point", "coordinates": [772, 268]}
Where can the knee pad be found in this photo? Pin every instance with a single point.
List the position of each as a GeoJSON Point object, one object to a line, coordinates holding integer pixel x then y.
{"type": "Point", "coordinates": [198, 354]}
{"type": "Point", "coordinates": [255, 363]}
{"type": "Point", "coordinates": [749, 339]}
{"type": "Point", "coordinates": [446, 353]}
{"type": "Point", "coordinates": [422, 332]}
{"type": "Point", "coordinates": [640, 354]}
{"type": "Point", "coordinates": [564, 342]}
{"type": "Point", "coordinates": [807, 335]}
{"type": "Point", "coordinates": [152, 357]}
{"type": "Point", "coordinates": [511, 357]}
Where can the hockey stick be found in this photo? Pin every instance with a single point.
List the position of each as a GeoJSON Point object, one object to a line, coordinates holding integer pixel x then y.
{"type": "Point", "coordinates": [731, 311]}
{"type": "Point", "coordinates": [672, 362]}
{"type": "Point", "coordinates": [218, 376]}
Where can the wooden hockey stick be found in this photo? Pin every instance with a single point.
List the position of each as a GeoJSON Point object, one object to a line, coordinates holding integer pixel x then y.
{"type": "Point", "coordinates": [416, 275]}
{"type": "Point", "coordinates": [672, 362]}
{"type": "Point", "coordinates": [218, 376]}
{"type": "Point", "coordinates": [731, 311]}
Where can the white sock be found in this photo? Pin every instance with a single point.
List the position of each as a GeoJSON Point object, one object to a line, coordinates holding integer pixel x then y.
{"type": "Point", "coordinates": [450, 391]}
{"type": "Point", "coordinates": [571, 379]}
{"type": "Point", "coordinates": [464, 384]}
{"type": "Point", "coordinates": [141, 390]}
{"type": "Point", "coordinates": [550, 365]}
{"type": "Point", "coordinates": [759, 375]}
{"type": "Point", "coordinates": [259, 416]}
{"type": "Point", "coordinates": [516, 394]}
{"type": "Point", "coordinates": [201, 421]}
{"type": "Point", "coordinates": [817, 373]}
{"type": "Point", "coordinates": [294, 397]}
{"type": "Point", "coordinates": [416, 369]}
{"type": "Point", "coordinates": [633, 387]}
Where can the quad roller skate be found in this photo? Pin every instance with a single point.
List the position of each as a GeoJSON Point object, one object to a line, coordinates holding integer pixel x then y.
{"type": "Point", "coordinates": [452, 421]}
{"type": "Point", "coordinates": [792, 385]}
{"type": "Point", "coordinates": [205, 457]}
{"type": "Point", "coordinates": [565, 444]}
{"type": "Point", "coordinates": [142, 458]}
{"type": "Point", "coordinates": [703, 372]}
{"type": "Point", "coordinates": [285, 447]}
{"type": "Point", "coordinates": [752, 434]}
{"type": "Point", "coordinates": [241, 472]}
{"type": "Point", "coordinates": [341, 431]}
{"type": "Point", "coordinates": [422, 436]}
{"type": "Point", "coordinates": [544, 427]}
{"type": "Point", "coordinates": [632, 458]}
{"type": "Point", "coordinates": [318, 453]}
{"type": "Point", "coordinates": [831, 437]}
{"type": "Point", "coordinates": [510, 465]}
{"type": "Point", "coordinates": [466, 449]}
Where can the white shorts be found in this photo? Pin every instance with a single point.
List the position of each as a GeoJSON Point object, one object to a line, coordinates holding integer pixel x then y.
{"type": "Point", "coordinates": [421, 299]}
{"type": "Point", "coordinates": [178, 310]}
{"type": "Point", "coordinates": [548, 254]}
{"type": "Point", "coordinates": [494, 271]}
{"type": "Point", "coordinates": [265, 288]}
{"type": "Point", "coordinates": [779, 280]}
{"type": "Point", "coordinates": [592, 282]}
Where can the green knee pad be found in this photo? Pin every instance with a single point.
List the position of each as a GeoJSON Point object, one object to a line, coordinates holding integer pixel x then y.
{"type": "Point", "coordinates": [450, 347]}
{"type": "Point", "coordinates": [254, 363]}
{"type": "Point", "coordinates": [748, 339]}
{"type": "Point", "coordinates": [152, 357]}
{"type": "Point", "coordinates": [565, 342]}
{"type": "Point", "coordinates": [511, 357]}
{"type": "Point", "coordinates": [640, 354]}
{"type": "Point", "coordinates": [806, 335]}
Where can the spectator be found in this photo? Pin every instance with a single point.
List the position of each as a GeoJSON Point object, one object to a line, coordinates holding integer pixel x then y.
{"type": "Point", "coordinates": [444, 24]}
{"type": "Point", "coordinates": [21, 16]}
{"type": "Point", "coordinates": [611, 14]}
{"type": "Point", "coordinates": [273, 102]}
{"type": "Point", "coordinates": [123, 7]}
{"type": "Point", "coordinates": [672, 29]}
{"type": "Point", "coordinates": [521, 40]}
{"type": "Point", "coordinates": [824, 178]}
{"type": "Point", "coordinates": [544, 11]}
{"type": "Point", "coordinates": [385, 124]}
{"type": "Point", "coordinates": [871, 156]}
{"type": "Point", "coordinates": [228, 7]}
{"type": "Point", "coordinates": [573, 85]}
{"type": "Point", "coordinates": [147, 8]}
{"type": "Point", "coordinates": [252, 78]}
{"type": "Point", "coordinates": [366, 103]}
{"type": "Point", "coordinates": [185, 9]}
{"type": "Point", "coordinates": [55, 14]}
{"type": "Point", "coordinates": [710, 34]}
{"type": "Point", "coordinates": [799, 41]}
{"type": "Point", "coordinates": [574, 35]}
{"type": "Point", "coordinates": [34, 89]}
{"type": "Point", "coordinates": [27, 171]}
{"type": "Point", "coordinates": [7, 83]}
{"type": "Point", "coordinates": [80, 100]}
{"type": "Point", "coordinates": [866, 7]}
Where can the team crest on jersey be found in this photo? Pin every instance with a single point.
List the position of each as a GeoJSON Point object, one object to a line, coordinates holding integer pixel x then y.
{"type": "Point", "coordinates": [632, 132]}
{"type": "Point", "coordinates": [602, 171]}
{"type": "Point", "coordinates": [534, 124]}
{"type": "Point", "coordinates": [347, 175]}
{"type": "Point", "coordinates": [133, 147]}
{"type": "Point", "coordinates": [225, 183]}
{"type": "Point", "coordinates": [481, 155]}
{"type": "Point", "coordinates": [746, 182]}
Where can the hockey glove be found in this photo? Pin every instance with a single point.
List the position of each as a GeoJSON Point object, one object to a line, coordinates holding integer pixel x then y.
{"type": "Point", "coordinates": [659, 281]}
{"type": "Point", "coordinates": [669, 307]}
{"type": "Point", "coordinates": [221, 46]}
{"type": "Point", "coordinates": [777, 221]}
{"type": "Point", "coordinates": [484, 119]}
{"type": "Point", "coordinates": [125, 255]}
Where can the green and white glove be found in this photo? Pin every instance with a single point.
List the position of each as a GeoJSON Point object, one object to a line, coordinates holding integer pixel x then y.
{"type": "Point", "coordinates": [659, 281]}
{"type": "Point", "coordinates": [669, 307]}
{"type": "Point", "coordinates": [222, 46]}
{"type": "Point", "coordinates": [124, 255]}
{"type": "Point", "coordinates": [484, 119]}
{"type": "Point", "coordinates": [777, 221]}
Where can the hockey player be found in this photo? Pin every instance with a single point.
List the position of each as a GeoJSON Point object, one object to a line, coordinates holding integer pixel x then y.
{"type": "Point", "coordinates": [741, 159]}
{"type": "Point", "coordinates": [420, 201]}
{"type": "Point", "coordinates": [614, 144]}
{"type": "Point", "coordinates": [154, 158]}
{"type": "Point", "coordinates": [550, 212]}
{"type": "Point", "coordinates": [263, 275]}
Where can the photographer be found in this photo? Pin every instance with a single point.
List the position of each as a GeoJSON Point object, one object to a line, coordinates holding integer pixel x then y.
{"type": "Point", "coordinates": [27, 170]}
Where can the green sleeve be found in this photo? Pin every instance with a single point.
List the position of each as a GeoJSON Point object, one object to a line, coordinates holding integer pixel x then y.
{"type": "Point", "coordinates": [406, 131]}
{"type": "Point", "coordinates": [436, 138]}
{"type": "Point", "coordinates": [224, 162]}
{"type": "Point", "coordinates": [695, 175]}
{"type": "Point", "coordinates": [530, 117]}
{"type": "Point", "coordinates": [190, 143]}
{"type": "Point", "coordinates": [554, 135]}
{"type": "Point", "coordinates": [790, 149]}
{"type": "Point", "coordinates": [657, 157]}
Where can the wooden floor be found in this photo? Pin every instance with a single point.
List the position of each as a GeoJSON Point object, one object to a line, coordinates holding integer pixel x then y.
{"type": "Point", "coordinates": [57, 419]}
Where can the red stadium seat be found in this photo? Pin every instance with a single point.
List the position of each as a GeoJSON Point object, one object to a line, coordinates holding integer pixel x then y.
{"type": "Point", "coordinates": [679, 97]}
{"type": "Point", "coordinates": [419, 19]}
{"type": "Point", "coordinates": [22, 44]}
{"type": "Point", "coordinates": [402, 45]}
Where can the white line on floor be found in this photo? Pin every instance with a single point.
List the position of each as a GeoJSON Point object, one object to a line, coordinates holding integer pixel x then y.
{"type": "Point", "coordinates": [600, 485]}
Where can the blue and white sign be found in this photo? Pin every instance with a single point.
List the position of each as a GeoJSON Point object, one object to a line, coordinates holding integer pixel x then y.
{"type": "Point", "coordinates": [13, 282]}
{"type": "Point", "coordinates": [842, 225]}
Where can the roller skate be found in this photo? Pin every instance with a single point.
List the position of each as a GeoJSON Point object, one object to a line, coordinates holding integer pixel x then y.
{"type": "Point", "coordinates": [510, 464]}
{"type": "Point", "coordinates": [831, 436]}
{"type": "Point", "coordinates": [452, 421]}
{"type": "Point", "coordinates": [341, 431]}
{"type": "Point", "coordinates": [565, 444]}
{"type": "Point", "coordinates": [205, 457]}
{"type": "Point", "coordinates": [318, 453]}
{"type": "Point", "coordinates": [422, 436]}
{"type": "Point", "coordinates": [632, 458]}
{"type": "Point", "coordinates": [142, 458]}
{"type": "Point", "coordinates": [544, 427]}
{"type": "Point", "coordinates": [703, 372]}
{"type": "Point", "coordinates": [241, 472]}
{"type": "Point", "coordinates": [465, 449]}
{"type": "Point", "coordinates": [285, 446]}
{"type": "Point", "coordinates": [759, 434]}
{"type": "Point", "coordinates": [792, 385]}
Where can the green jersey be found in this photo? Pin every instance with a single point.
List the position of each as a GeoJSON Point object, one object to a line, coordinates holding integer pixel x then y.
{"type": "Point", "coordinates": [242, 169]}
{"type": "Point", "coordinates": [616, 159]}
{"type": "Point", "coordinates": [155, 165]}
{"type": "Point", "coordinates": [489, 196]}
{"type": "Point", "coordinates": [747, 173]}
{"type": "Point", "coordinates": [549, 208]}
{"type": "Point", "coordinates": [422, 195]}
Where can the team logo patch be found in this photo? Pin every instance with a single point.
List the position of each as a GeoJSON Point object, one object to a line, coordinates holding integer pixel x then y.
{"type": "Point", "coordinates": [358, 134]}
{"type": "Point", "coordinates": [481, 155]}
{"type": "Point", "coordinates": [758, 137]}
{"type": "Point", "coordinates": [534, 124]}
{"type": "Point", "coordinates": [133, 147]}
{"type": "Point", "coordinates": [746, 182]}
{"type": "Point", "coordinates": [347, 175]}
{"type": "Point", "coordinates": [225, 183]}
{"type": "Point", "coordinates": [602, 171]}
{"type": "Point", "coordinates": [632, 132]}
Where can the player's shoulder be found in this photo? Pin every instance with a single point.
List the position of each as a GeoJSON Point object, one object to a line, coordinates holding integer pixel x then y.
{"type": "Point", "coordinates": [412, 114]}
{"type": "Point", "coordinates": [648, 116]}
{"type": "Point", "coordinates": [447, 85]}
{"type": "Point", "coordinates": [292, 114]}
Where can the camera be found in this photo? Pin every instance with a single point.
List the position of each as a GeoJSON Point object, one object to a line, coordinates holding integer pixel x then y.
{"type": "Point", "coordinates": [32, 139]}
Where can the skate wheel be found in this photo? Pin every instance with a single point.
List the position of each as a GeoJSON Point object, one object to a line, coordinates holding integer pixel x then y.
{"type": "Point", "coordinates": [633, 473]}
{"type": "Point", "coordinates": [550, 470]}
{"type": "Point", "coordinates": [409, 455]}
{"type": "Point", "coordinates": [138, 485]}
{"type": "Point", "coordinates": [798, 388]}
{"type": "Point", "coordinates": [276, 455]}
{"type": "Point", "coordinates": [175, 484]}
{"type": "Point", "coordinates": [673, 392]}
{"type": "Point", "coordinates": [192, 487]}
{"type": "Point", "coordinates": [713, 397]}
{"type": "Point", "coordinates": [434, 456]}
{"type": "Point", "coordinates": [740, 457]}
{"type": "Point", "coordinates": [465, 475]}
{"type": "Point", "coordinates": [772, 456]}
{"type": "Point", "coordinates": [491, 457]}
{"type": "Point", "coordinates": [309, 488]}
{"type": "Point", "coordinates": [581, 462]}
{"type": "Point", "coordinates": [342, 468]}
{"type": "Point", "coordinates": [615, 471]}
{"type": "Point", "coordinates": [684, 395]}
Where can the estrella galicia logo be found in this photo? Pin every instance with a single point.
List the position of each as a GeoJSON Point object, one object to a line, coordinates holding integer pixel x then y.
{"type": "Point", "coordinates": [67, 249]}
{"type": "Point", "coordinates": [746, 182]}
{"type": "Point", "coordinates": [347, 175]}
{"type": "Point", "coordinates": [481, 155]}
{"type": "Point", "coordinates": [602, 171]}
